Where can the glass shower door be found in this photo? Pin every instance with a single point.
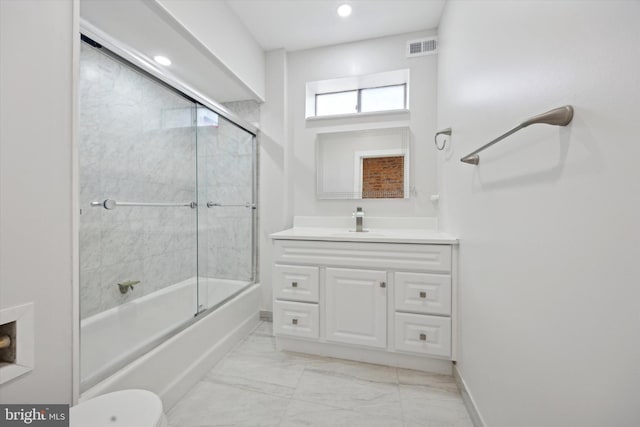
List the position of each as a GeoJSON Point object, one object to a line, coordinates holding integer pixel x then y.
{"type": "Point", "coordinates": [138, 222]}
{"type": "Point", "coordinates": [226, 204]}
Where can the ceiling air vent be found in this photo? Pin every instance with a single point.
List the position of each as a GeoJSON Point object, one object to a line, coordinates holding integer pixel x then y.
{"type": "Point", "coordinates": [422, 47]}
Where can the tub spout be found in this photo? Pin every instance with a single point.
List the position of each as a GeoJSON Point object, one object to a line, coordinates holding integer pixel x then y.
{"type": "Point", "coordinates": [127, 286]}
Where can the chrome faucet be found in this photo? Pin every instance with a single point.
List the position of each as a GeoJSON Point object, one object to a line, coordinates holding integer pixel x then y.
{"type": "Point", "coordinates": [358, 214]}
{"type": "Point", "coordinates": [127, 286]}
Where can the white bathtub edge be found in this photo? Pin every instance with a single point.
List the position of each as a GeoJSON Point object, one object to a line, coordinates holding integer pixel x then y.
{"type": "Point", "coordinates": [173, 367]}
{"type": "Point", "coordinates": [199, 368]}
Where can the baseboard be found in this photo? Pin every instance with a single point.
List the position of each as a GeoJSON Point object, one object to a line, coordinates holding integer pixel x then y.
{"type": "Point", "coordinates": [266, 316]}
{"type": "Point", "coordinates": [467, 399]}
{"type": "Point", "coordinates": [360, 354]}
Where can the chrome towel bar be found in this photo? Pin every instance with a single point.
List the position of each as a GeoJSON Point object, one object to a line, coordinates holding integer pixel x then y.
{"type": "Point", "coordinates": [110, 204]}
{"type": "Point", "coordinates": [561, 116]}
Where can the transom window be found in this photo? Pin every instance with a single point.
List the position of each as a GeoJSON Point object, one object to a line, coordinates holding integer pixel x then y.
{"type": "Point", "coordinates": [364, 100]}
{"type": "Point", "coordinates": [386, 91]}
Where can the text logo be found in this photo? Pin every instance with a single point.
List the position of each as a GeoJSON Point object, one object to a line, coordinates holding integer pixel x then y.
{"type": "Point", "coordinates": [34, 415]}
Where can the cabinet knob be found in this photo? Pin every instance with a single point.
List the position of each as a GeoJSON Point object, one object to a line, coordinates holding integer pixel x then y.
{"type": "Point", "coordinates": [423, 337]}
{"type": "Point", "coordinates": [423, 294]}
{"type": "Point", "coordinates": [294, 321]}
{"type": "Point", "coordinates": [294, 284]}
{"type": "Point", "coordinates": [383, 284]}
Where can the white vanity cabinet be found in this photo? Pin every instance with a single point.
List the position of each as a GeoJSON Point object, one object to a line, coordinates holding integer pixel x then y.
{"type": "Point", "coordinates": [381, 302]}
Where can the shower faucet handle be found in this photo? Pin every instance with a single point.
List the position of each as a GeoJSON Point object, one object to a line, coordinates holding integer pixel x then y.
{"type": "Point", "coordinates": [127, 286]}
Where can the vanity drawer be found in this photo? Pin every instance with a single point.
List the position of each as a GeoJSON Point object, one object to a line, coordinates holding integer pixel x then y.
{"type": "Point", "coordinates": [420, 333]}
{"type": "Point", "coordinates": [296, 319]}
{"type": "Point", "coordinates": [296, 283]}
{"type": "Point", "coordinates": [423, 293]}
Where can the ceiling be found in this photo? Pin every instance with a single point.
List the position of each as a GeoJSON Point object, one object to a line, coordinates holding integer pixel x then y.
{"type": "Point", "coordinates": [303, 24]}
{"type": "Point", "coordinates": [143, 27]}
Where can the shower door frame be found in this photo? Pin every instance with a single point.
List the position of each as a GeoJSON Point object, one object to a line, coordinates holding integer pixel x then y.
{"type": "Point", "coordinates": [144, 65]}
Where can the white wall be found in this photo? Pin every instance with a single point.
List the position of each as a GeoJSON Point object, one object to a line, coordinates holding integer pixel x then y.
{"type": "Point", "coordinates": [548, 222]}
{"type": "Point", "coordinates": [216, 26]}
{"type": "Point", "coordinates": [36, 102]}
{"type": "Point", "coordinates": [352, 59]}
{"type": "Point", "coordinates": [273, 140]}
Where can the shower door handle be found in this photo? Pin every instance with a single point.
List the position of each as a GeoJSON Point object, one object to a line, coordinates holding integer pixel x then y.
{"type": "Point", "coordinates": [220, 205]}
{"type": "Point", "coordinates": [110, 204]}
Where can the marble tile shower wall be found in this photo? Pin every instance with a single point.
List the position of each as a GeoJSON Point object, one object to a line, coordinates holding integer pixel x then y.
{"type": "Point", "coordinates": [248, 110]}
{"type": "Point", "coordinates": [137, 143]}
{"type": "Point", "coordinates": [225, 176]}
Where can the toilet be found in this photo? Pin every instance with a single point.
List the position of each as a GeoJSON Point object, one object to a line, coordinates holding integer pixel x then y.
{"type": "Point", "coordinates": [126, 408]}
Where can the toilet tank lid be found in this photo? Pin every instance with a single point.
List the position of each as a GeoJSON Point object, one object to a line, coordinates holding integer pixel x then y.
{"type": "Point", "coordinates": [125, 408]}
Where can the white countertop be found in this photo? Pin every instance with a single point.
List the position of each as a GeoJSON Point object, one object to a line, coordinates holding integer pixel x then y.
{"type": "Point", "coordinates": [381, 235]}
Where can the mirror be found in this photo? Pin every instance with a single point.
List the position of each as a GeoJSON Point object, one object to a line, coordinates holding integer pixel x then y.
{"type": "Point", "coordinates": [364, 164]}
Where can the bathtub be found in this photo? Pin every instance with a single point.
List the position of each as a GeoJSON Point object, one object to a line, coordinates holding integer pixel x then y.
{"type": "Point", "coordinates": [118, 337]}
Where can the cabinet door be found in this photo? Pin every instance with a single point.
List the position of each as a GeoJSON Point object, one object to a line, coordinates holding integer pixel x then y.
{"type": "Point", "coordinates": [355, 311]}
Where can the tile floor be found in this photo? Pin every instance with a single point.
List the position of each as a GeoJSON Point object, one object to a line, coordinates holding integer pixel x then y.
{"type": "Point", "coordinates": [256, 385]}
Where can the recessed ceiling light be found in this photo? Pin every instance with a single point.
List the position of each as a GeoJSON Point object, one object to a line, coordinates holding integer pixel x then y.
{"type": "Point", "coordinates": [162, 60]}
{"type": "Point", "coordinates": [344, 10]}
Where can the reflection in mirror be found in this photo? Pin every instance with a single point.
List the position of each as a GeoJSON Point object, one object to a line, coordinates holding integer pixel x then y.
{"type": "Point", "coordinates": [366, 164]}
{"type": "Point", "coordinates": [383, 177]}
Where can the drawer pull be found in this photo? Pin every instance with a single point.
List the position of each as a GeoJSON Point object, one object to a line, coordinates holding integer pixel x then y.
{"type": "Point", "coordinates": [423, 337]}
{"type": "Point", "coordinates": [383, 284]}
{"type": "Point", "coordinates": [423, 294]}
{"type": "Point", "coordinates": [294, 284]}
{"type": "Point", "coordinates": [294, 321]}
